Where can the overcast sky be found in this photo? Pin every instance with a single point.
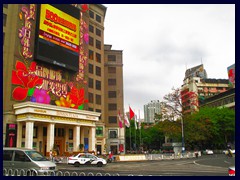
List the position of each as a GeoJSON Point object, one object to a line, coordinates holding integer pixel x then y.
{"type": "Point", "coordinates": [159, 41]}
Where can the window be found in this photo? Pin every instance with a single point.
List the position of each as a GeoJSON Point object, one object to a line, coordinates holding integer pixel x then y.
{"type": "Point", "coordinates": [70, 134]}
{"type": "Point", "coordinates": [90, 97]}
{"type": "Point", "coordinates": [90, 109]}
{"type": "Point", "coordinates": [112, 107]}
{"type": "Point", "coordinates": [112, 133]}
{"type": "Point", "coordinates": [98, 99]}
{"type": "Point", "coordinates": [91, 14]}
{"type": "Point", "coordinates": [99, 131]}
{"type": "Point", "coordinates": [19, 156]}
{"type": "Point", "coordinates": [60, 132]}
{"type": "Point", "coordinates": [112, 70]}
{"type": "Point", "coordinates": [7, 155]}
{"type": "Point", "coordinates": [112, 82]}
{"type": "Point", "coordinates": [98, 18]}
{"type": "Point", "coordinates": [90, 82]}
{"type": "Point", "coordinates": [98, 32]}
{"type": "Point", "coordinates": [4, 19]}
{"type": "Point", "coordinates": [112, 119]}
{"type": "Point", "coordinates": [98, 44]}
{"type": "Point", "coordinates": [98, 57]}
{"type": "Point", "coordinates": [91, 29]}
{"type": "Point", "coordinates": [112, 94]}
{"type": "Point", "coordinates": [44, 131]}
{"type": "Point", "coordinates": [91, 41]}
{"type": "Point", "coordinates": [90, 52]}
{"type": "Point", "coordinates": [98, 71]}
{"type": "Point", "coordinates": [98, 85]}
{"type": "Point", "coordinates": [100, 111]}
{"type": "Point", "coordinates": [111, 58]}
{"type": "Point", "coordinates": [90, 68]}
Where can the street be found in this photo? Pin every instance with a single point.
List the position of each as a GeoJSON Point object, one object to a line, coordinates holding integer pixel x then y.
{"type": "Point", "coordinates": [207, 165]}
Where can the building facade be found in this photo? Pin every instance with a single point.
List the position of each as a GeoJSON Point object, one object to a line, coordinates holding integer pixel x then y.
{"type": "Point", "coordinates": [197, 87]}
{"type": "Point", "coordinates": [225, 99]}
{"type": "Point", "coordinates": [54, 77]}
{"type": "Point", "coordinates": [115, 133]}
{"type": "Point", "coordinates": [150, 109]}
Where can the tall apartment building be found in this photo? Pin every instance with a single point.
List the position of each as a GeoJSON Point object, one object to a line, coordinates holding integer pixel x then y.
{"type": "Point", "coordinates": [96, 76]}
{"type": "Point", "coordinates": [150, 109]}
{"type": "Point", "coordinates": [54, 77]}
{"type": "Point", "coordinates": [198, 87]}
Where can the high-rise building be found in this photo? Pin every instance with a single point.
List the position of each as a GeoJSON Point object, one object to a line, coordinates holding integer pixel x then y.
{"type": "Point", "coordinates": [54, 86]}
{"type": "Point", "coordinates": [150, 109]}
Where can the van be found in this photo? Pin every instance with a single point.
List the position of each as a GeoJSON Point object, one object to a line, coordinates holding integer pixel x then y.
{"type": "Point", "coordinates": [23, 161]}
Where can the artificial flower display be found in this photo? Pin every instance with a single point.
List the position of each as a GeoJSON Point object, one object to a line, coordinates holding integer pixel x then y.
{"type": "Point", "coordinates": [25, 79]}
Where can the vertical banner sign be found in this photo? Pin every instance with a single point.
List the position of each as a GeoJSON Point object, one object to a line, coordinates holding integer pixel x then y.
{"type": "Point", "coordinates": [25, 32]}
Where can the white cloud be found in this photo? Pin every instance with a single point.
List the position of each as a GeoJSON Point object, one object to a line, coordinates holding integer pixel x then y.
{"type": "Point", "coordinates": [160, 40]}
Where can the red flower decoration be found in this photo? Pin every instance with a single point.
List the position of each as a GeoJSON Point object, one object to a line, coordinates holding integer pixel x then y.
{"type": "Point", "coordinates": [77, 97]}
{"type": "Point", "coordinates": [84, 7]}
{"type": "Point", "coordinates": [25, 78]}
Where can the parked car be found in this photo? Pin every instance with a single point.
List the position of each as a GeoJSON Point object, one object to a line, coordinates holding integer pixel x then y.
{"type": "Point", "coordinates": [27, 161]}
{"type": "Point", "coordinates": [208, 152]}
{"type": "Point", "coordinates": [86, 159]}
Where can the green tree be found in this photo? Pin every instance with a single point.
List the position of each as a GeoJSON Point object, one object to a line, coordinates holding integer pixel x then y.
{"type": "Point", "coordinates": [210, 127]}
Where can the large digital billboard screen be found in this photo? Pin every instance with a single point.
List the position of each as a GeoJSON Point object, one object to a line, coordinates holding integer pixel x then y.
{"type": "Point", "coordinates": [57, 38]}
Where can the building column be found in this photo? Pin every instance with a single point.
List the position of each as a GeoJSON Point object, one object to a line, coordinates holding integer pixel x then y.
{"type": "Point", "coordinates": [92, 139]}
{"type": "Point", "coordinates": [50, 136]}
{"type": "Point", "coordinates": [76, 138]}
{"type": "Point", "coordinates": [19, 134]}
{"type": "Point", "coordinates": [29, 134]}
{"type": "Point", "coordinates": [82, 136]}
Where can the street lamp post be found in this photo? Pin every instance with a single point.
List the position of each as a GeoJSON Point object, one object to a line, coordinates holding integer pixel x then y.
{"type": "Point", "coordinates": [183, 146]}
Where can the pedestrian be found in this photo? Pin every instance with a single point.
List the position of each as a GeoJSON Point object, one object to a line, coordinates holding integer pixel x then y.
{"type": "Point", "coordinates": [110, 157]}
{"type": "Point", "coordinates": [196, 154]}
{"type": "Point", "coordinates": [51, 155]}
{"type": "Point", "coordinates": [229, 150]}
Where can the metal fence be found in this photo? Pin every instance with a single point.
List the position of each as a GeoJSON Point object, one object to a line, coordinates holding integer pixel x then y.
{"type": "Point", "coordinates": [32, 172]}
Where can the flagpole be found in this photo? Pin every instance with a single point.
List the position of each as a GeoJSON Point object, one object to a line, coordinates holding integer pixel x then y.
{"type": "Point", "coordinates": [130, 130]}
{"type": "Point", "coordinates": [139, 127]}
{"type": "Point", "coordinates": [135, 119]}
{"type": "Point", "coordinates": [119, 133]}
{"type": "Point", "coordinates": [130, 140]}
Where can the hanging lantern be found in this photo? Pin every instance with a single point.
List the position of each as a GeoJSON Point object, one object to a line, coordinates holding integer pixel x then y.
{"type": "Point", "coordinates": [84, 7]}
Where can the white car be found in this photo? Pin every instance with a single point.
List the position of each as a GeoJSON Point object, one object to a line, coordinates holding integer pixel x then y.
{"type": "Point", "coordinates": [86, 159]}
{"type": "Point", "coordinates": [209, 152]}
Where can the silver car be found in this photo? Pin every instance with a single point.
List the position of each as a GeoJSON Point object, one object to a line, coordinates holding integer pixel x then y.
{"type": "Point", "coordinates": [22, 161]}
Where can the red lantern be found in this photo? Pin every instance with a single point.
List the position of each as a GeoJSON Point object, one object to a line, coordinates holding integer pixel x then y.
{"type": "Point", "coordinates": [84, 7]}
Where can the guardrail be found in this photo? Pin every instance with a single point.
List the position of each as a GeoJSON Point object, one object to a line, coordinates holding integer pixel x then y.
{"type": "Point", "coordinates": [32, 172]}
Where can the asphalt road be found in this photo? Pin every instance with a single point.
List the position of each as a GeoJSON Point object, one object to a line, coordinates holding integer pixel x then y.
{"type": "Point", "coordinates": [206, 165]}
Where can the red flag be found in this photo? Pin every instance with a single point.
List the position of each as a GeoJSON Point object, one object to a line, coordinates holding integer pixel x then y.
{"type": "Point", "coordinates": [131, 113]}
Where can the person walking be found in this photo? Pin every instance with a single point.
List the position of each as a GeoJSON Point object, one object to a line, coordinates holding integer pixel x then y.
{"type": "Point", "coordinates": [51, 155]}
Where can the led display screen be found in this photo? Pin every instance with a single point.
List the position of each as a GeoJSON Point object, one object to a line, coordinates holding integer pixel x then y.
{"type": "Point", "coordinates": [57, 38]}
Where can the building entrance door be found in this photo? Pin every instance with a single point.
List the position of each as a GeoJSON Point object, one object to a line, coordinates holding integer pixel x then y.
{"type": "Point", "coordinates": [58, 146]}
